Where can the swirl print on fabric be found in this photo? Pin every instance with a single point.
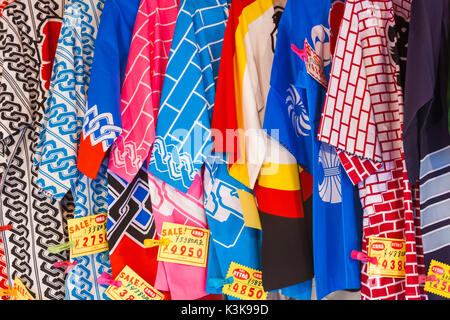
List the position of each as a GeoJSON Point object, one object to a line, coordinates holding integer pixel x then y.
{"type": "Point", "coordinates": [28, 33]}
{"type": "Point", "coordinates": [297, 112]}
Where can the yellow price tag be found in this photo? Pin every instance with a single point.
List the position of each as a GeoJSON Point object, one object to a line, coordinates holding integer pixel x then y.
{"type": "Point", "coordinates": [133, 288]}
{"type": "Point", "coordinates": [22, 291]}
{"type": "Point", "coordinates": [247, 283]}
{"type": "Point", "coordinates": [89, 235]}
{"type": "Point", "coordinates": [188, 245]}
{"type": "Point", "coordinates": [441, 284]}
{"type": "Point", "coordinates": [390, 254]}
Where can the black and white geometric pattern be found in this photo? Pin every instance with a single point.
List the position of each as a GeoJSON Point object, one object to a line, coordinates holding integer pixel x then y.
{"type": "Point", "coordinates": [26, 28]}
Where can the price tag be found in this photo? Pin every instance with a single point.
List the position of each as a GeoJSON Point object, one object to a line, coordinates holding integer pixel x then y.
{"type": "Point", "coordinates": [133, 288]}
{"type": "Point", "coordinates": [390, 254]}
{"type": "Point", "coordinates": [188, 245]}
{"type": "Point", "coordinates": [89, 235]}
{"type": "Point", "coordinates": [247, 283]}
{"type": "Point", "coordinates": [440, 286]}
{"type": "Point", "coordinates": [314, 66]}
{"type": "Point", "coordinates": [22, 291]}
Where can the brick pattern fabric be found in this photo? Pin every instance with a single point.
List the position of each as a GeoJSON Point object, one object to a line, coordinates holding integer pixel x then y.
{"type": "Point", "coordinates": [362, 117]}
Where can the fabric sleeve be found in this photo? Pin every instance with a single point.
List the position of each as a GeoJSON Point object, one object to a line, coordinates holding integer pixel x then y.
{"type": "Point", "coordinates": [348, 120]}
{"type": "Point", "coordinates": [224, 114]}
{"type": "Point", "coordinates": [58, 142]}
{"type": "Point", "coordinates": [183, 136]}
{"type": "Point", "coordinates": [141, 91]}
{"type": "Point", "coordinates": [102, 122]}
{"type": "Point", "coordinates": [133, 145]}
{"type": "Point", "coordinates": [277, 122]}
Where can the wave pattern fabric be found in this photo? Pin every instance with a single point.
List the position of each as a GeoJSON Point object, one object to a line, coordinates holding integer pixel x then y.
{"type": "Point", "coordinates": [368, 133]}
{"type": "Point", "coordinates": [29, 30]}
{"type": "Point", "coordinates": [294, 107]}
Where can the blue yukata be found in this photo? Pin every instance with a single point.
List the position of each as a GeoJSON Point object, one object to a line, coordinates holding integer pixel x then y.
{"type": "Point", "coordinates": [231, 240]}
{"type": "Point", "coordinates": [102, 122]}
{"type": "Point", "coordinates": [183, 134]}
{"type": "Point", "coordinates": [130, 219]}
{"type": "Point", "coordinates": [294, 108]}
{"type": "Point", "coordinates": [56, 157]}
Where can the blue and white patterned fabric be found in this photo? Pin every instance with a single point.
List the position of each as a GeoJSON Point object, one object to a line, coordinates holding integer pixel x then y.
{"type": "Point", "coordinates": [58, 143]}
{"type": "Point", "coordinates": [102, 122]}
{"type": "Point", "coordinates": [294, 106]}
{"type": "Point", "coordinates": [435, 205]}
{"type": "Point", "coordinates": [231, 240]}
{"type": "Point", "coordinates": [183, 135]}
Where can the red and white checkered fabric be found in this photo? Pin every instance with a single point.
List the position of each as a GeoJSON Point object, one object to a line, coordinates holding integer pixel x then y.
{"type": "Point", "coordinates": [362, 117]}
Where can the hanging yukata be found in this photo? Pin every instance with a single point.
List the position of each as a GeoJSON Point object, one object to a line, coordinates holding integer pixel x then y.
{"type": "Point", "coordinates": [188, 93]}
{"type": "Point", "coordinates": [293, 107]}
{"type": "Point", "coordinates": [362, 117]}
{"type": "Point", "coordinates": [149, 50]}
{"type": "Point", "coordinates": [186, 101]}
{"type": "Point", "coordinates": [231, 240]}
{"type": "Point", "coordinates": [3, 4]}
{"type": "Point", "coordinates": [184, 282]}
{"type": "Point", "coordinates": [426, 137]}
{"type": "Point", "coordinates": [28, 35]}
{"type": "Point", "coordinates": [57, 148]}
{"type": "Point", "coordinates": [240, 105]}
{"type": "Point", "coordinates": [102, 122]}
{"type": "Point", "coordinates": [129, 208]}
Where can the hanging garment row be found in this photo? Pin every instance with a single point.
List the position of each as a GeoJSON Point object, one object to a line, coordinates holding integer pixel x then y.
{"type": "Point", "coordinates": [218, 149]}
